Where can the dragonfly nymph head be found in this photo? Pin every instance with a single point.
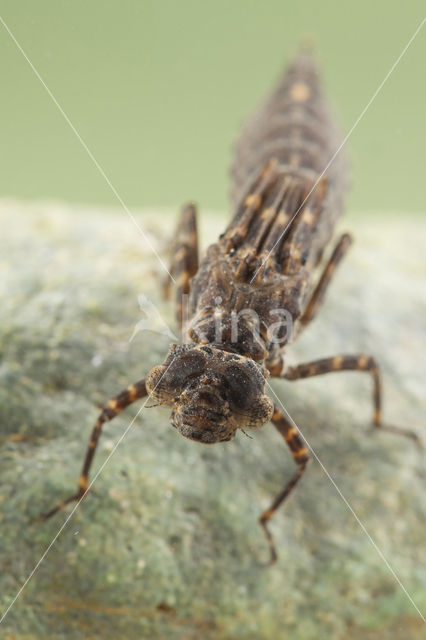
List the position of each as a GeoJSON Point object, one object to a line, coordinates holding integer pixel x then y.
{"type": "Point", "coordinates": [212, 392]}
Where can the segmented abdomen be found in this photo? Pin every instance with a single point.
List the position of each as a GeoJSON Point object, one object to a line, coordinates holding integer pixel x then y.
{"type": "Point", "coordinates": [294, 126]}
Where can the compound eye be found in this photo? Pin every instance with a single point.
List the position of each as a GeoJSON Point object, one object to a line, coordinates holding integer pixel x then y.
{"type": "Point", "coordinates": [242, 387]}
{"type": "Point", "coordinates": [261, 411]}
{"type": "Point", "coordinates": [164, 382]}
{"type": "Point", "coordinates": [183, 368]}
{"type": "Point", "coordinates": [155, 384]}
{"type": "Point", "coordinates": [246, 396]}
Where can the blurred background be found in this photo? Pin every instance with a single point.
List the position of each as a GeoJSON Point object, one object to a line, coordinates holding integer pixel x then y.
{"type": "Point", "coordinates": [158, 89]}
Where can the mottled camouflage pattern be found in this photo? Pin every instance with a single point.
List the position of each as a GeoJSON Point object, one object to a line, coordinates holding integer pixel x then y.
{"type": "Point", "coordinates": [288, 188]}
{"type": "Point", "coordinates": [285, 214]}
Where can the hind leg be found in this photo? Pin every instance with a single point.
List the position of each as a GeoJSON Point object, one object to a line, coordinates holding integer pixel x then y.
{"type": "Point", "coordinates": [184, 262]}
{"type": "Point", "coordinates": [317, 298]}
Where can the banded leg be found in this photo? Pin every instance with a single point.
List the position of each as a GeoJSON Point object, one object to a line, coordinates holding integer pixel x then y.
{"type": "Point", "coordinates": [351, 363]}
{"type": "Point", "coordinates": [301, 456]}
{"type": "Point", "coordinates": [184, 263]}
{"type": "Point", "coordinates": [318, 295]}
{"type": "Point", "coordinates": [111, 409]}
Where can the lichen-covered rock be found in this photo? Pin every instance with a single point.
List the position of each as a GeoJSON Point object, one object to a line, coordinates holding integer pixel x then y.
{"type": "Point", "coordinates": [167, 545]}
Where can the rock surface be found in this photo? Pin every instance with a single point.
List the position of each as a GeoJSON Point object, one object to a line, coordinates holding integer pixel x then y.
{"type": "Point", "coordinates": [168, 545]}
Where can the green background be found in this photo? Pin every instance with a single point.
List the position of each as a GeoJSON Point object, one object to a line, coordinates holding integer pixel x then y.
{"type": "Point", "coordinates": [158, 89]}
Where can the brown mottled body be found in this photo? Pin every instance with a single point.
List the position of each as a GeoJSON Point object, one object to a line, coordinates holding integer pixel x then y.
{"type": "Point", "coordinates": [266, 262]}
{"type": "Point", "coordinates": [285, 214]}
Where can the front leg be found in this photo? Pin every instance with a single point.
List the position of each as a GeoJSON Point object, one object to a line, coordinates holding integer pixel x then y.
{"type": "Point", "coordinates": [301, 456]}
{"type": "Point", "coordinates": [351, 363]}
{"type": "Point", "coordinates": [111, 409]}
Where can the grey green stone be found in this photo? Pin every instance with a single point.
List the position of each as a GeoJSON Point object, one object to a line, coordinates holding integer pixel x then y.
{"type": "Point", "coordinates": [167, 546]}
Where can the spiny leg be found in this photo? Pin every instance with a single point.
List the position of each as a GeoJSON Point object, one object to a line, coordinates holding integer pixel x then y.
{"type": "Point", "coordinates": [111, 409]}
{"type": "Point", "coordinates": [351, 363]}
{"type": "Point", "coordinates": [184, 263]}
{"type": "Point", "coordinates": [301, 456]}
{"type": "Point", "coordinates": [317, 298]}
